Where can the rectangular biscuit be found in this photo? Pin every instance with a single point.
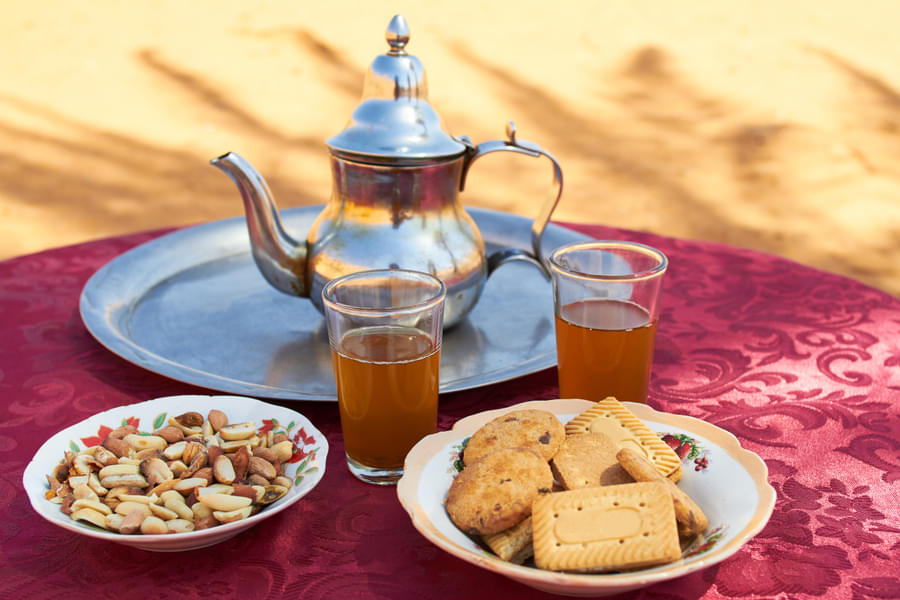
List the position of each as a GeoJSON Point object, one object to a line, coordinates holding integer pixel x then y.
{"type": "Point", "coordinates": [612, 418]}
{"type": "Point", "coordinates": [513, 544]}
{"type": "Point", "coordinates": [616, 527]}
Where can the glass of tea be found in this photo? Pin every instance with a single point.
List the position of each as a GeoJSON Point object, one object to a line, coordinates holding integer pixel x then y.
{"type": "Point", "coordinates": [606, 300]}
{"type": "Point", "coordinates": [385, 329]}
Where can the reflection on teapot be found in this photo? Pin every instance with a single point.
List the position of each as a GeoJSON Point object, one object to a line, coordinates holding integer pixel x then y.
{"type": "Point", "coordinates": [395, 196]}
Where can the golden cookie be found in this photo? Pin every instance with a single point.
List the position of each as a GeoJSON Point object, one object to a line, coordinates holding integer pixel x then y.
{"type": "Point", "coordinates": [513, 544]}
{"type": "Point", "coordinates": [537, 430]}
{"type": "Point", "coordinates": [612, 418]}
{"type": "Point", "coordinates": [588, 460]}
{"type": "Point", "coordinates": [497, 491]}
{"type": "Point", "coordinates": [611, 528]}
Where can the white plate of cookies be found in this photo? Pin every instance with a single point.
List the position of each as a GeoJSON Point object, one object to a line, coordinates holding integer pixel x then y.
{"type": "Point", "coordinates": [586, 498]}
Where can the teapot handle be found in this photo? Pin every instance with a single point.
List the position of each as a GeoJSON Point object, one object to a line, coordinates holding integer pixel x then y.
{"type": "Point", "coordinates": [511, 144]}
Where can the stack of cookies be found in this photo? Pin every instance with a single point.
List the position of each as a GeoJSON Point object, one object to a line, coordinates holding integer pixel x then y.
{"type": "Point", "coordinates": [597, 494]}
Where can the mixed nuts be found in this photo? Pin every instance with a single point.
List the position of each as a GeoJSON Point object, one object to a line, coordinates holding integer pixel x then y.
{"type": "Point", "coordinates": [192, 474]}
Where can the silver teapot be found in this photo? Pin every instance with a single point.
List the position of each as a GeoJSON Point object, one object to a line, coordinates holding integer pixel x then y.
{"type": "Point", "coordinates": [394, 203]}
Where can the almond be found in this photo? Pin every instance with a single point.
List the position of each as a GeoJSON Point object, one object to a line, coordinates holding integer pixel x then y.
{"type": "Point", "coordinates": [255, 479]}
{"type": "Point", "coordinates": [212, 453]}
{"type": "Point", "coordinates": [267, 453]}
{"type": "Point", "coordinates": [262, 467]}
{"type": "Point", "coordinates": [217, 419]}
{"type": "Point", "coordinates": [241, 462]}
{"type": "Point", "coordinates": [170, 434]}
{"type": "Point", "coordinates": [205, 473]}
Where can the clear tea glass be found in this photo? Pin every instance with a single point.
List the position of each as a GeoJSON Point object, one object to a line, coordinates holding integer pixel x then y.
{"type": "Point", "coordinates": [385, 330]}
{"type": "Point", "coordinates": [606, 301]}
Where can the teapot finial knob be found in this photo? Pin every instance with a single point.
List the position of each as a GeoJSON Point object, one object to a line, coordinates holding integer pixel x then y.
{"type": "Point", "coordinates": [397, 35]}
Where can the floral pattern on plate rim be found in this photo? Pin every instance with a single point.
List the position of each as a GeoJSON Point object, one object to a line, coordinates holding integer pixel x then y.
{"type": "Point", "coordinates": [301, 440]}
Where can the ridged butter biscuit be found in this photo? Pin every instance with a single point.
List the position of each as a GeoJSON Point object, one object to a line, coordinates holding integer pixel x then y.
{"type": "Point", "coordinates": [538, 430]}
{"type": "Point", "coordinates": [612, 528]}
{"type": "Point", "coordinates": [612, 418]}
{"type": "Point", "coordinates": [588, 460]}
{"type": "Point", "coordinates": [497, 491]}
{"type": "Point", "coordinates": [513, 544]}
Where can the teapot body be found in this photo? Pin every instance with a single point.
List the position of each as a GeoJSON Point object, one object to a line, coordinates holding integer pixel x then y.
{"type": "Point", "coordinates": [383, 216]}
{"type": "Point", "coordinates": [396, 175]}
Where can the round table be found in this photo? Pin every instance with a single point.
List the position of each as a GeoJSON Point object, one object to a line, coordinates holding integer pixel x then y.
{"type": "Point", "coordinates": [801, 365]}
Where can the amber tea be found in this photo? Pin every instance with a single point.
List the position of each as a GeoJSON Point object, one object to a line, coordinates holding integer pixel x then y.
{"type": "Point", "coordinates": [604, 348]}
{"type": "Point", "coordinates": [387, 383]}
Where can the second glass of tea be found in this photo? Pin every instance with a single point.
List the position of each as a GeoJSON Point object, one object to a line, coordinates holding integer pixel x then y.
{"type": "Point", "coordinates": [606, 299]}
{"type": "Point", "coordinates": [385, 329]}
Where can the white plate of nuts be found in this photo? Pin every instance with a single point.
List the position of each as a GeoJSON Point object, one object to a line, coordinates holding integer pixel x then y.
{"type": "Point", "coordinates": [176, 473]}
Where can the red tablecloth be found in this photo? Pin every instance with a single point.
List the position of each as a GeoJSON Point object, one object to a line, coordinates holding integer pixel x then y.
{"type": "Point", "coordinates": [801, 365]}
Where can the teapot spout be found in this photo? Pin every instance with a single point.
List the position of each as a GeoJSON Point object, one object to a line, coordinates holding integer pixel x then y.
{"type": "Point", "coordinates": [279, 257]}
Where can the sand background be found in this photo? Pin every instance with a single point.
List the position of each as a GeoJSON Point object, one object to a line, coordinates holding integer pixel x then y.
{"type": "Point", "coordinates": [771, 125]}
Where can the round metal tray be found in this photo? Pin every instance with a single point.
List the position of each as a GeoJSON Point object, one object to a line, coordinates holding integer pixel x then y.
{"type": "Point", "coordinates": [192, 306]}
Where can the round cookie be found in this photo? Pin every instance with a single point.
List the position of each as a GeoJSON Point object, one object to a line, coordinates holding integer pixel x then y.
{"type": "Point", "coordinates": [497, 491]}
{"type": "Point", "coordinates": [537, 430]}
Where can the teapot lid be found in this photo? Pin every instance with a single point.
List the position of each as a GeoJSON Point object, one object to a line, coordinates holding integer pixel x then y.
{"type": "Point", "coordinates": [394, 121]}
